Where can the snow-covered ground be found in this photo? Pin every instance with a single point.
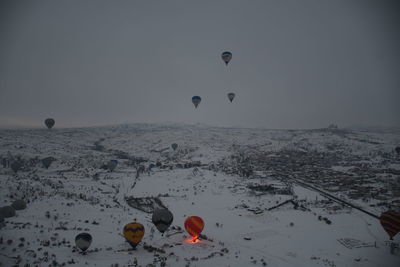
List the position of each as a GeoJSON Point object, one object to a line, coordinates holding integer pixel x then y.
{"type": "Point", "coordinates": [233, 178]}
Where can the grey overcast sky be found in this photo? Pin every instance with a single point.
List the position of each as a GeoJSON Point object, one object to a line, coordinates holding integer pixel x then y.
{"type": "Point", "coordinates": [296, 64]}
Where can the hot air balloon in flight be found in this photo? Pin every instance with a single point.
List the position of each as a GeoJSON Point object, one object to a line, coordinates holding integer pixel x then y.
{"type": "Point", "coordinates": [162, 219]}
{"type": "Point", "coordinates": [133, 233]}
{"type": "Point", "coordinates": [196, 100]}
{"type": "Point", "coordinates": [83, 241]}
{"type": "Point", "coordinates": [231, 96]}
{"type": "Point", "coordinates": [390, 221]}
{"type": "Point", "coordinates": [49, 122]}
{"type": "Point", "coordinates": [226, 57]}
{"type": "Point", "coordinates": [174, 146]}
{"type": "Point", "coordinates": [194, 225]}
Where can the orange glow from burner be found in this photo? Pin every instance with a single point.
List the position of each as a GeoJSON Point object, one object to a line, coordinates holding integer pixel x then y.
{"type": "Point", "coordinates": [192, 240]}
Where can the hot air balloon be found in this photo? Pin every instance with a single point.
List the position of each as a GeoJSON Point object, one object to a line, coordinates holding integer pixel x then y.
{"type": "Point", "coordinates": [231, 96]}
{"type": "Point", "coordinates": [194, 225]}
{"type": "Point", "coordinates": [49, 123]}
{"type": "Point", "coordinates": [397, 149]}
{"type": "Point", "coordinates": [83, 241]}
{"type": "Point", "coordinates": [196, 100]}
{"type": "Point", "coordinates": [133, 233]}
{"type": "Point", "coordinates": [226, 57]}
{"type": "Point", "coordinates": [112, 164]}
{"type": "Point", "coordinates": [174, 146]}
{"type": "Point", "coordinates": [162, 219]}
{"type": "Point", "coordinates": [390, 221]}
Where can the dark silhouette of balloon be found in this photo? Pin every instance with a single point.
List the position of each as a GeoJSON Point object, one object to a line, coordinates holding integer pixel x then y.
{"type": "Point", "coordinates": [49, 123]}
{"type": "Point", "coordinates": [231, 96]}
{"type": "Point", "coordinates": [194, 225]}
{"type": "Point", "coordinates": [162, 219]}
{"type": "Point", "coordinates": [397, 149]}
{"type": "Point", "coordinates": [196, 100]}
{"type": "Point", "coordinates": [47, 161]}
{"type": "Point", "coordinates": [390, 221]}
{"type": "Point", "coordinates": [112, 164]}
{"type": "Point", "coordinates": [226, 57]}
{"type": "Point", "coordinates": [133, 233]}
{"type": "Point", "coordinates": [83, 241]}
{"type": "Point", "coordinates": [174, 146]}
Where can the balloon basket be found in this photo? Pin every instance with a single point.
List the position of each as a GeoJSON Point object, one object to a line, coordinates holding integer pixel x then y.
{"type": "Point", "coordinates": [394, 247]}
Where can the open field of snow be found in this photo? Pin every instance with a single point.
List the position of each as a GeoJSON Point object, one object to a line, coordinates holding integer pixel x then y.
{"type": "Point", "coordinates": [248, 185]}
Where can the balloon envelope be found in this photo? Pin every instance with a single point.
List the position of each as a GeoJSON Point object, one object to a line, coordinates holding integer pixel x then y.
{"type": "Point", "coordinates": [231, 96]}
{"type": "Point", "coordinates": [133, 233]}
{"type": "Point", "coordinates": [390, 221]}
{"type": "Point", "coordinates": [174, 146]}
{"type": "Point", "coordinates": [112, 164]}
{"type": "Point", "coordinates": [226, 57]}
{"type": "Point", "coordinates": [162, 219]}
{"type": "Point", "coordinates": [49, 122]}
{"type": "Point", "coordinates": [196, 100]}
{"type": "Point", "coordinates": [83, 241]}
{"type": "Point", "coordinates": [194, 225]}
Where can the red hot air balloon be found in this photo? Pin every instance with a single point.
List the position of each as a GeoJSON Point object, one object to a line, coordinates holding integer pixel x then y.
{"type": "Point", "coordinates": [390, 221]}
{"type": "Point", "coordinates": [194, 225]}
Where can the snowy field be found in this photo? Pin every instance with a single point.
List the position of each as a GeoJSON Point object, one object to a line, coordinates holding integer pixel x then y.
{"type": "Point", "coordinates": [233, 178]}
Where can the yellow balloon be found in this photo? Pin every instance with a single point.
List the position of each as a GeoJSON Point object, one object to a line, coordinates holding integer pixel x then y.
{"type": "Point", "coordinates": [133, 233]}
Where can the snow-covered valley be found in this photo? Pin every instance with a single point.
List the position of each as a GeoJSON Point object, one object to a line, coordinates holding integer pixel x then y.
{"type": "Point", "coordinates": [258, 192]}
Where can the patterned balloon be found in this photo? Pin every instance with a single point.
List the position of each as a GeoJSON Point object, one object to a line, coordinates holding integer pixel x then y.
{"type": "Point", "coordinates": [194, 225]}
{"type": "Point", "coordinates": [133, 233]}
{"type": "Point", "coordinates": [226, 57]}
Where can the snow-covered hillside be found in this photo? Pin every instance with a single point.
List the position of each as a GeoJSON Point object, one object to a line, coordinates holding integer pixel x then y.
{"type": "Point", "coordinates": [256, 190]}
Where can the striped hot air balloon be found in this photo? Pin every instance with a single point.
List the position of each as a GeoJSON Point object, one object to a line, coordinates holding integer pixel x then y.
{"type": "Point", "coordinates": [83, 241]}
{"type": "Point", "coordinates": [390, 221]}
{"type": "Point", "coordinates": [133, 233]}
{"type": "Point", "coordinates": [194, 225]}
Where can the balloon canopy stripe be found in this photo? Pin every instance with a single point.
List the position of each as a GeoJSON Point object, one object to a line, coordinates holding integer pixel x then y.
{"type": "Point", "coordinates": [391, 222]}
{"type": "Point", "coordinates": [392, 216]}
{"type": "Point", "coordinates": [133, 233]}
{"type": "Point", "coordinates": [130, 229]}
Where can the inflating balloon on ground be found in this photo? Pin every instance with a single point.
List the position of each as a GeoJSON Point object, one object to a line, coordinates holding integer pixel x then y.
{"type": "Point", "coordinates": [194, 225]}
